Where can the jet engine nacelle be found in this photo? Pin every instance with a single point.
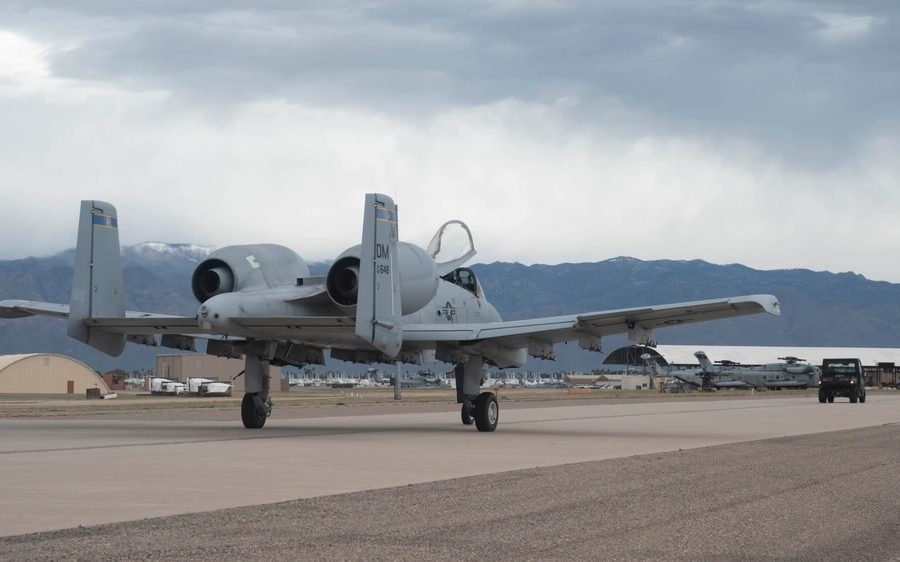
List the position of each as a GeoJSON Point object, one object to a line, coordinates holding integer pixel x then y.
{"type": "Point", "coordinates": [242, 268]}
{"type": "Point", "coordinates": [418, 276]}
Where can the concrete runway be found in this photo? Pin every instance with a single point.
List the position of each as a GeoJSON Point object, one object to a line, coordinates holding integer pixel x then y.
{"type": "Point", "coordinates": [57, 474]}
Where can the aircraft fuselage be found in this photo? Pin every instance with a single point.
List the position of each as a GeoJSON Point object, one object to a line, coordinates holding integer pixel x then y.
{"type": "Point", "coordinates": [222, 313]}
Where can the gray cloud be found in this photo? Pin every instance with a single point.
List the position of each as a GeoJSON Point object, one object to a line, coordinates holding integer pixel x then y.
{"type": "Point", "coordinates": [770, 73]}
{"type": "Point", "coordinates": [717, 130]}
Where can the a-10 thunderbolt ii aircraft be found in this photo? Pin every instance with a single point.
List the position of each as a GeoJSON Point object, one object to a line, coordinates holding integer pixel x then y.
{"type": "Point", "coordinates": [381, 301]}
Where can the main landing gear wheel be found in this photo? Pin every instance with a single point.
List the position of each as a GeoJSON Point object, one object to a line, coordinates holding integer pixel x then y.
{"type": "Point", "coordinates": [253, 411]}
{"type": "Point", "coordinates": [467, 413]}
{"type": "Point", "coordinates": [487, 412]}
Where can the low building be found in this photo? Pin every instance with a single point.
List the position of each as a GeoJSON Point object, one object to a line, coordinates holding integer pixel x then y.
{"type": "Point", "coordinates": [47, 373]}
{"type": "Point", "coordinates": [181, 367]}
{"type": "Point", "coordinates": [115, 381]}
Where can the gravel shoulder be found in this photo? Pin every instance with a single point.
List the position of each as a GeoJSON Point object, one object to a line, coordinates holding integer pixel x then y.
{"type": "Point", "coordinates": [827, 496]}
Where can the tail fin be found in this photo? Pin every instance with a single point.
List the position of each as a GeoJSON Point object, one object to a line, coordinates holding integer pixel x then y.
{"type": "Point", "coordinates": [97, 284]}
{"type": "Point", "coordinates": [378, 316]}
{"type": "Point", "coordinates": [705, 363]}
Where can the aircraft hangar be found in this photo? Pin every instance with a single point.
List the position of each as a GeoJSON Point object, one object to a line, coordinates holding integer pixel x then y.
{"type": "Point", "coordinates": [47, 373]}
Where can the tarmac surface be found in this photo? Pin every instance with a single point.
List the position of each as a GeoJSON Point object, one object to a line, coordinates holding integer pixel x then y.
{"type": "Point", "coordinates": [705, 479]}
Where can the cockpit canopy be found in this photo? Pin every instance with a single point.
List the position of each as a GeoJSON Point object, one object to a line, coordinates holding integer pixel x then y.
{"type": "Point", "coordinates": [436, 247]}
{"type": "Point", "coordinates": [449, 269]}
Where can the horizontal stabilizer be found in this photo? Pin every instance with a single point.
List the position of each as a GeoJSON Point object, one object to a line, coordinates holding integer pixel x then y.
{"type": "Point", "coordinates": [23, 309]}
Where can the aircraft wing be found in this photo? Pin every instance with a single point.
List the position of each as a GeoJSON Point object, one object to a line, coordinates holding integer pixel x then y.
{"type": "Point", "coordinates": [534, 334]}
{"type": "Point", "coordinates": [133, 323]}
{"type": "Point", "coordinates": [22, 309]}
{"type": "Point", "coordinates": [137, 323]}
{"type": "Point", "coordinates": [519, 333]}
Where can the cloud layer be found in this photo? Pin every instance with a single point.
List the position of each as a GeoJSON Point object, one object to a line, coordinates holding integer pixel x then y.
{"type": "Point", "coordinates": [765, 135]}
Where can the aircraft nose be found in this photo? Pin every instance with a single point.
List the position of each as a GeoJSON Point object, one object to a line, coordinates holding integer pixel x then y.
{"type": "Point", "coordinates": [203, 316]}
{"type": "Point", "coordinates": [214, 314]}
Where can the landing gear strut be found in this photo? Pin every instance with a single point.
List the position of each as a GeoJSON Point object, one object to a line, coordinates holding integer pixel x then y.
{"type": "Point", "coordinates": [481, 409]}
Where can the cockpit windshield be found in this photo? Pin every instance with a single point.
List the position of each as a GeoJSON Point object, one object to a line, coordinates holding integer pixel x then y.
{"type": "Point", "coordinates": [463, 277]}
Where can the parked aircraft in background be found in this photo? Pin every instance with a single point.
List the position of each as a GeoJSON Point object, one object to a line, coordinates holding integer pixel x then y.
{"type": "Point", "coordinates": [381, 301]}
{"type": "Point", "coordinates": [792, 373]}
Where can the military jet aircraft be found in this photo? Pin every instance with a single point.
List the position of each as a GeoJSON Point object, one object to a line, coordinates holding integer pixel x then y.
{"type": "Point", "coordinates": [381, 301]}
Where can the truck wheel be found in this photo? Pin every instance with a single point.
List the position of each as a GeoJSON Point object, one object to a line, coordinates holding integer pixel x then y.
{"type": "Point", "coordinates": [822, 396]}
{"type": "Point", "coordinates": [862, 397]}
{"type": "Point", "coordinates": [853, 395]}
{"type": "Point", "coordinates": [830, 398]}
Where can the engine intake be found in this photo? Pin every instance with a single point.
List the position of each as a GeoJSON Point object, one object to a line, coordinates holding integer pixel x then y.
{"type": "Point", "coordinates": [215, 280]}
{"type": "Point", "coordinates": [241, 268]}
{"type": "Point", "coordinates": [342, 282]}
{"type": "Point", "coordinates": [417, 275]}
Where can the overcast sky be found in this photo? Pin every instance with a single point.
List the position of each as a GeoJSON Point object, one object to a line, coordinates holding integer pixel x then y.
{"type": "Point", "coordinates": [762, 133]}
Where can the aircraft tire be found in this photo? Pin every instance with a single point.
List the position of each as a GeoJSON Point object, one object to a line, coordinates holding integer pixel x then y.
{"type": "Point", "coordinates": [253, 414]}
{"type": "Point", "coordinates": [854, 394]}
{"type": "Point", "coordinates": [487, 412]}
{"type": "Point", "coordinates": [822, 396]}
{"type": "Point", "coordinates": [466, 414]}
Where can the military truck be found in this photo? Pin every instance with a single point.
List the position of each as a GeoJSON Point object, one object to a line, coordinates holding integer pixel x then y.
{"type": "Point", "coordinates": [842, 377]}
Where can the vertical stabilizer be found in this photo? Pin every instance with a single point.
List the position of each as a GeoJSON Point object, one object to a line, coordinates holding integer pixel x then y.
{"type": "Point", "coordinates": [705, 363]}
{"type": "Point", "coordinates": [378, 316]}
{"type": "Point", "coordinates": [97, 283]}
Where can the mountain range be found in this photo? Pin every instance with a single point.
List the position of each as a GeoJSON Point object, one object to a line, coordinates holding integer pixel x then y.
{"type": "Point", "coordinates": [818, 308]}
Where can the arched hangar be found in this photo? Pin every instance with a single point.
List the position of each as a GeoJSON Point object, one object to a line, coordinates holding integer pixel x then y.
{"type": "Point", "coordinates": [47, 373]}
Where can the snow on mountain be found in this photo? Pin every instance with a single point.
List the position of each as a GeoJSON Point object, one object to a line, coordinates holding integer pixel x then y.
{"type": "Point", "coordinates": [164, 251]}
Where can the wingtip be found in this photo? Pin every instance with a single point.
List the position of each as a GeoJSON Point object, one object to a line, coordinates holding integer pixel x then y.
{"type": "Point", "coordinates": [9, 309]}
{"type": "Point", "coordinates": [767, 303]}
{"type": "Point", "coordinates": [770, 304]}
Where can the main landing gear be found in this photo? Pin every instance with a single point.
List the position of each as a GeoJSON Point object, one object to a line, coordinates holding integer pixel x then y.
{"type": "Point", "coordinates": [256, 405]}
{"type": "Point", "coordinates": [254, 410]}
{"type": "Point", "coordinates": [481, 409]}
